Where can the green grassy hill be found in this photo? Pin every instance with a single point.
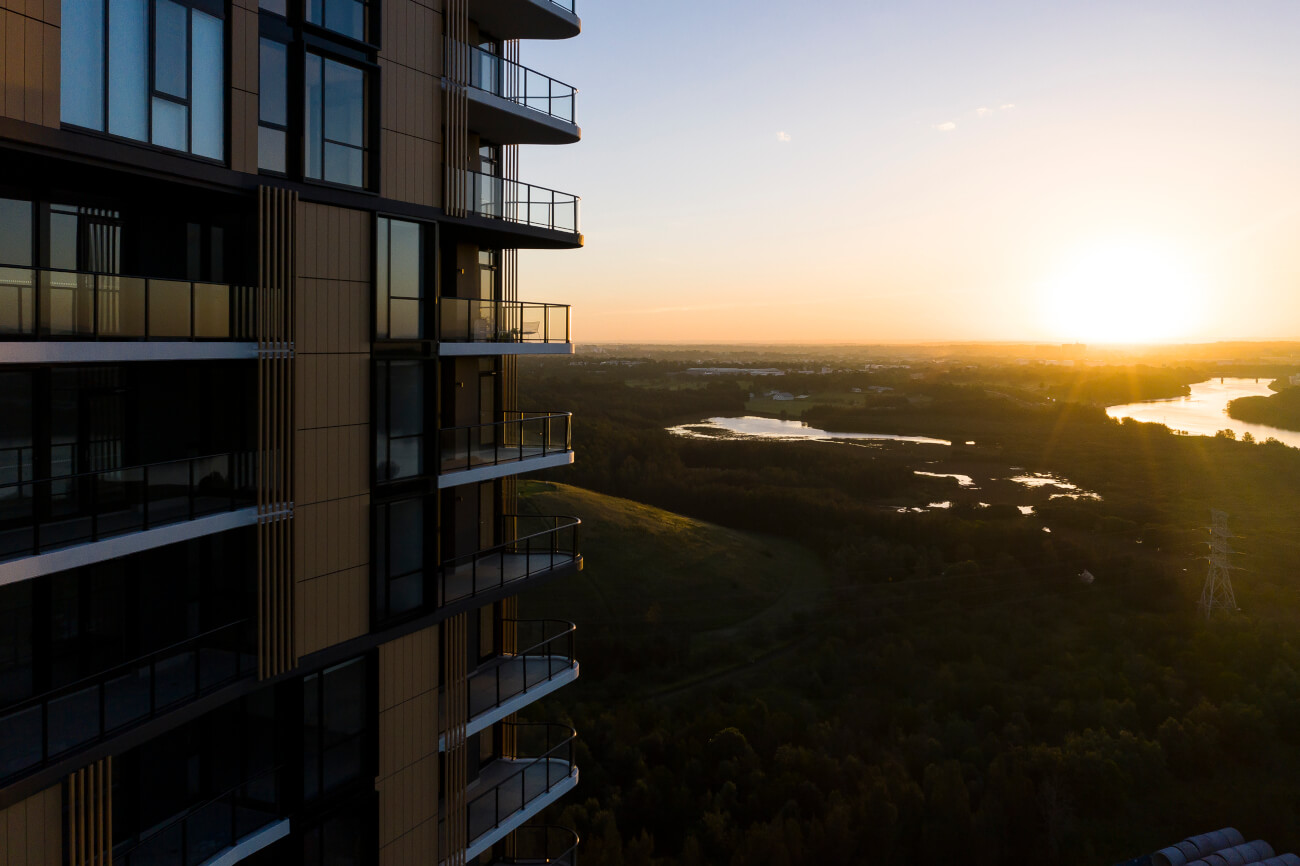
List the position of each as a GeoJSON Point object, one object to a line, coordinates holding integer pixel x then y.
{"type": "Point", "coordinates": [659, 591]}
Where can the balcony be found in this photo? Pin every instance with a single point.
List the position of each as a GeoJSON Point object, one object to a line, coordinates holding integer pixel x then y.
{"type": "Point", "coordinates": [37, 517]}
{"type": "Point", "coordinates": [512, 681]}
{"type": "Point", "coordinates": [519, 203]}
{"type": "Point", "coordinates": [236, 824]}
{"type": "Point", "coordinates": [544, 547]}
{"type": "Point", "coordinates": [82, 713]}
{"type": "Point", "coordinates": [510, 791]}
{"type": "Point", "coordinates": [542, 845]}
{"type": "Point", "coordinates": [51, 315]}
{"type": "Point", "coordinates": [527, 19]}
{"type": "Point", "coordinates": [471, 326]}
{"type": "Point", "coordinates": [512, 104]}
{"type": "Point", "coordinates": [524, 442]}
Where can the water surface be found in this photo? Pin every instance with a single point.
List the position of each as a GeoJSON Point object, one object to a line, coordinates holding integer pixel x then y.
{"type": "Point", "coordinates": [1205, 411]}
{"type": "Point", "coordinates": [756, 427]}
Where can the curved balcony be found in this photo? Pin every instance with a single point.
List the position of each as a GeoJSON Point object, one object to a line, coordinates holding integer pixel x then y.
{"type": "Point", "coordinates": [473, 326]}
{"type": "Point", "coordinates": [49, 315]}
{"type": "Point", "coordinates": [541, 845]}
{"type": "Point", "coordinates": [519, 203]}
{"type": "Point", "coordinates": [524, 442]}
{"type": "Point", "coordinates": [79, 714]}
{"type": "Point", "coordinates": [527, 19]}
{"type": "Point", "coordinates": [512, 104]}
{"type": "Point", "coordinates": [513, 680]}
{"type": "Point", "coordinates": [231, 826]}
{"type": "Point", "coordinates": [510, 791]}
{"type": "Point", "coordinates": [39, 516]}
{"type": "Point", "coordinates": [543, 547]}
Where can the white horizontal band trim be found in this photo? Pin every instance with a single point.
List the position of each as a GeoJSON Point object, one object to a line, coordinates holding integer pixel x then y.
{"type": "Point", "coordinates": [92, 352]}
{"type": "Point", "coordinates": [250, 845]}
{"type": "Point", "coordinates": [76, 556]}
{"type": "Point", "coordinates": [461, 350]}
{"type": "Point", "coordinates": [501, 470]}
{"type": "Point", "coordinates": [518, 819]}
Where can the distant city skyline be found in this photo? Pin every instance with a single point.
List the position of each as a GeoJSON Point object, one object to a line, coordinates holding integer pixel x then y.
{"type": "Point", "coordinates": [928, 171]}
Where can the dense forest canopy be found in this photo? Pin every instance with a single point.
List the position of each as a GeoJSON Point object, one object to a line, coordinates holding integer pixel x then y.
{"type": "Point", "coordinates": [942, 685]}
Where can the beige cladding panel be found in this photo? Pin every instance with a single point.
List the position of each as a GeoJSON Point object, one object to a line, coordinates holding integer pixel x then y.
{"type": "Point", "coordinates": [334, 243]}
{"type": "Point", "coordinates": [332, 429]}
{"type": "Point", "coordinates": [332, 316]}
{"type": "Point", "coordinates": [31, 831]}
{"type": "Point", "coordinates": [408, 748]}
{"type": "Point", "coordinates": [29, 62]}
{"type": "Point", "coordinates": [332, 463]}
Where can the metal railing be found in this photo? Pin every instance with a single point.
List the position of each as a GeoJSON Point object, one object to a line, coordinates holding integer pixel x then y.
{"type": "Point", "coordinates": [36, 516]}
{"type": "Point", "coordinates": [474, 320]}
{"type": "Point", "coordinates": [540, 845]}
{"type": "Point", "coordinates": [518, 202]}
{"type": "Point", "coordinates": [514, 674]}
{"type": "Point", "coordinates": [525, 87]}
{"type": "Point", "coordinates": [52, 304]}
{"type": "Point", "coordinates": [85, 711]}
{"type": "Point", "coordinates": [201, 831]}
{"type": "Point", "coordinates": [531, 778]}
{"type": "Point", "coordinates": [532, 553]}
{"type": "Point", "coordinates": [566, 5]}
{"type": "Point", "coordinates": [528, 434]}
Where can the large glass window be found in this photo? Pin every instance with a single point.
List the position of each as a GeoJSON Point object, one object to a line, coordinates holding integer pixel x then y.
{"type": "Point", "coordinates": [168, 90]}
{"type": "Point", "coordinates": [399, 420]}
{"type": "Point", "coordinates": [399, 283]}
{"type": "Point", "coordinates": [334, 709]}
{"type": "Point", "coordinates": [273, 105]}
{"type": "Point", "coordinates": [342, 16]}
{"type": "Point", "coordinates": [399, 558]}
{"type": "Point", "coordinates": [335, 121]}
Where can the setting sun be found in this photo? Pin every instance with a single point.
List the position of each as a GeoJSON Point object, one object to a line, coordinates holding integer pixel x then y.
{"type": "Point", "coordinates": [1125, 291]}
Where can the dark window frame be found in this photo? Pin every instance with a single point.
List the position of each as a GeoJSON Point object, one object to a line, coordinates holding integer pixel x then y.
{"type": "Point", "coordinates": [214, 8]}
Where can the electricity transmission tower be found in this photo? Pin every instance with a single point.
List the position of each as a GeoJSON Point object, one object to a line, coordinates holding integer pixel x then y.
{"type": "Point", "coordinates": [1217, 594]}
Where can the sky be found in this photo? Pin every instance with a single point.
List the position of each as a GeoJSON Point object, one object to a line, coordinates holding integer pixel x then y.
{"type": "Point", "coordinates": [916, 170]}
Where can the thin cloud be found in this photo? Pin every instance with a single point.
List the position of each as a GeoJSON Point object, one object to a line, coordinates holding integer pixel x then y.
{"type": "Point", "coordinates": [1008, 106]}
{"type": "Point", "coordinates": [783, 136]}
{"type": "Point", "coordinates": [949, 126]}
{"type": "Point", "coordinates": [983, 112]}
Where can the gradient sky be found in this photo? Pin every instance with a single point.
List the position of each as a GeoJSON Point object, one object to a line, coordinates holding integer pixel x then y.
{"type": "Point", "coordinates": [904, 170]}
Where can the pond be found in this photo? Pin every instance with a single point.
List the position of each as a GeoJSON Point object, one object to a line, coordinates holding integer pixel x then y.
{"type": "Point", "coordinates": [755, 427]}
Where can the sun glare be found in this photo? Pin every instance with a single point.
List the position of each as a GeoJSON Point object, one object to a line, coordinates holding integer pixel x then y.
{"type": "Point", "coordinates": [1125, 292]}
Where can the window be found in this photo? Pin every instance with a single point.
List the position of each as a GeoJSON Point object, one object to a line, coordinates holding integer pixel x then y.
{"type": "Point", "coordinates": [166, 87]}
{"type": "Point", "coordinates": [334, 727]}
{"type": "Point", "coordinates": [399, 558]}
{"type": "Point", "coordinates": [334, 122]}
{"type": "Point", "coordinates": [273, 105]}
{"type": "Point", "coordinates": [399, 420]}
{"type": "Point", "coordinates": [399, 281]}
{"type": "Point", "coordinates": [347, 17]}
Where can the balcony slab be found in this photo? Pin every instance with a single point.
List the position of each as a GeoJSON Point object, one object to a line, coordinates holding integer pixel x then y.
{"type": "Point", "coordinates": [505, 121]}
{"type": "Point", "coordinates": [463, 350]}
{"type": "Point", "coordinates": [486, 470]}
{"type": "Point", "coordinates": [525, 19]}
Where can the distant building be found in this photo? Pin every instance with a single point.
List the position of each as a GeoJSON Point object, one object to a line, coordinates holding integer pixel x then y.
{"type": "Point", "coordinates": [735, 371]}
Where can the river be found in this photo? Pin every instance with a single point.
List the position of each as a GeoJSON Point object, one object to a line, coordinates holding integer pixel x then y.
{"type": "Point", "coordinates": [1205, 412]}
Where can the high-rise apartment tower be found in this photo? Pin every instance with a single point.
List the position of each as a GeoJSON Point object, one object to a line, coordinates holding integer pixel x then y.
{"type": "Point", "coordinates": [260, 537]}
